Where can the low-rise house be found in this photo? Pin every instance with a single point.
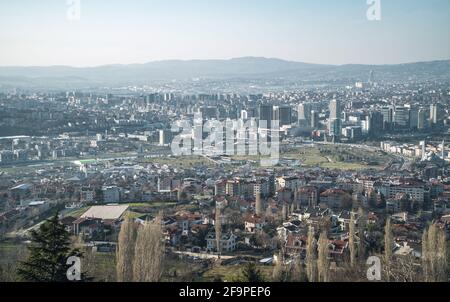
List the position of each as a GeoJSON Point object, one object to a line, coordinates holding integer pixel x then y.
{"type": "Point", "coordinates": [287, 229]}
{"type": "Point", "coordinates": [336, 198]}
{"type": "Point", "coordinates": [296, 244]}
{"type": "Point", "coordinates": [308, 196]}
{"type": "Point", "coordinates": [227, 242]}
{"type": "Point", "coordinates": [254, 223]}
{"type": "Point", "coordinates": [344, 219]}
{"type": "Point", "coordinates": [68, 223]}
{"type": "Point", "coordinates": [87, 227]}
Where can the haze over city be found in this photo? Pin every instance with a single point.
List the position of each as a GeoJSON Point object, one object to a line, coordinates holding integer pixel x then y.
{"type": "Point", "coordinates": [38, 33]}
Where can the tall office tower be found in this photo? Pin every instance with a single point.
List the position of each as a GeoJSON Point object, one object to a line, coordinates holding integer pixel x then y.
{"type": "Point", "coordinates": [165, 137]}
{"type": "Point", "coordinates": [266, 114]}
{"type": "Point", "coordinates": [314, 119]}
{"type": "Point", "coordinates": [435, 113]}
{"type": "Point", "coordinates": [285, 115]}
{"type": "Point", "coordinates": [413, 118]}
{"type": "Point", "coordinates": [421, 119]}
{"type": "Point", "coordinates": [335, 127]}
{"type": "Point", "coordinates": [335, 122]}
{"type": "Point", "coordinates": [388, 117]}
{"type": "Point", "coordinates": [335, 109]}
{"type": "Point", "coordinates": [276, 113]}
{"type": "Point", "coordinates": [304, 111]}
{"type": "Point", "coordinates": [375, 123]}
{"type": "Point", "coordinates": [401, 117]}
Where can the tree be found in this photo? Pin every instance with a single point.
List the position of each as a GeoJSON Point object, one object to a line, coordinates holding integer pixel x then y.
{"type": "Point", "coordinates": [149, 252]}
{"type": "Point", "coordinates": [298, 273]}
{"type": "Point", "coordinates": [125, 251]}
{"type": "Point", "coordinates": [48, 254]}
{"type": "Point", "coordinates": [434, 254]}
{"type": "Point", "coordinates": [279, 273]}
{"type": "Point", "coordinates": [361, 232]}
{"type": "Point", "coordinates": [218, 227]}
{"type": "Point", "coordinates": [251, 274]}
{"type": "Point", "coordinates": [323, 263]}
{"type": "Point", "coordinates": [311, 265]}
{"type": "Point", "coordinates": [351, 240]}
{"type": "Point", "coordinates": [292, 208]}
{"type": "Point", "coordinates": [388, 246]}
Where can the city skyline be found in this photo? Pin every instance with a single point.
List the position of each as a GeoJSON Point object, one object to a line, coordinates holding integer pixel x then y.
{"type": "Point", "coordinates": [40, 34]}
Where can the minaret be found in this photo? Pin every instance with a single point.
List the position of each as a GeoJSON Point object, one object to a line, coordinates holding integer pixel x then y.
{"type": "Point", "coordinates": [443, 157]}
{"type": "Point", "coordinates": [258, 205]}
{"type": "Point", "coordinates": [423, 145]}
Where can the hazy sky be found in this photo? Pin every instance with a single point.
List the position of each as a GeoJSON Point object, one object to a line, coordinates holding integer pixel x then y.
{"type": "Point", "coordinates": [137, 31]}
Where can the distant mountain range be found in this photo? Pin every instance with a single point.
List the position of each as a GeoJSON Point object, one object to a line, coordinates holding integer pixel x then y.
{"type": "Point", "coordinates": [238, 68]}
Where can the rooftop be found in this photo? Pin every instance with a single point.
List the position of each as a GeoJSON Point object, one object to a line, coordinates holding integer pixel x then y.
{"type": "Point", "coordinates": [105, 212]}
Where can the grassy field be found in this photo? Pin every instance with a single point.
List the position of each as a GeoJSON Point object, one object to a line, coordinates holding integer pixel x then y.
{"type": "Point", "coordinates": [181, 162]}
{"type": "Point", "coordinates": [232, 272]}
{"type": "Point", "coordinates": [77, 212]}
{"type": "Point", "coordinates": [330, 157]}
{"type": "Point", "coordinates": [311, 157]}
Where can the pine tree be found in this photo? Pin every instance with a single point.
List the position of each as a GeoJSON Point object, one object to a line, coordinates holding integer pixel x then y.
{"type": "Point", "coordinates": [251, 274]}
{"type": "Point", "coordinates": [125, 251]}
{"type": "Point", "coordinates": [48, 254]}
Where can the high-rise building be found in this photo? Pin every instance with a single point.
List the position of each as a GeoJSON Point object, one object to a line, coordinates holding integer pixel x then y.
{"type": "Point", "coordinates": [413, 118]}
{"type": "Point", "coordinates": [165, 137]}
{"type": "Point", "coordinates": [266, 114]}
{"type": "Point", "coordinates": [335, 127]}
{"type": "Point", "coordinates": [314, 119]}
{"type": "Point", "coordinates": [335, 109]}
{"type": "Point", "coordinates": [435, 114]}
{"type": "Point", "coordinates": [374, 123]}
{"type": "Point", "coordinates": [335, 122]}
{"type": "Point", "coordinates": [284, 115]}
{"type": "Point", "coordinates": [388, 117]}
{"type": "Point", "coordinates": [401, 117]}
{"type": "Point", "coordinates": [421, 119]}
{"type": "Point", "coordinates": [304, 111]}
